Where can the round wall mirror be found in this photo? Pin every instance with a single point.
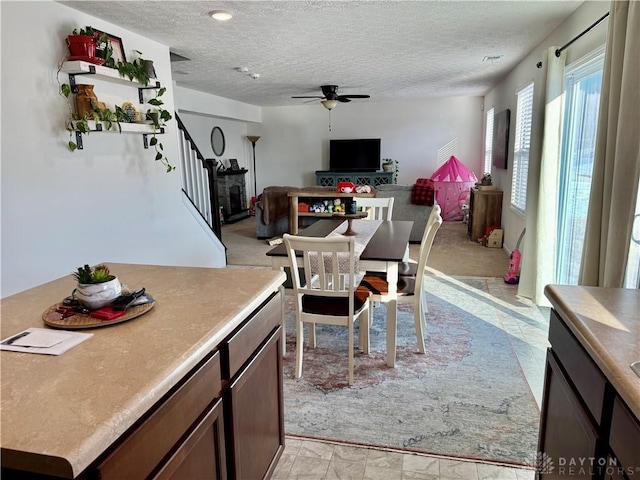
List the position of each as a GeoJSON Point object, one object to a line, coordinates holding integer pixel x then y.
{"type": "Point", "coordinates": [217, 141]}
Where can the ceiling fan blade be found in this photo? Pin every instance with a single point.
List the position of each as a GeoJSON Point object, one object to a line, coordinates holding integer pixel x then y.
{"type": "Point", "coordinates": [342, 99]}
{"type": "Point", "coordinates": [353, 96]}
{"type": "Point", "coordinates": [309, 97]}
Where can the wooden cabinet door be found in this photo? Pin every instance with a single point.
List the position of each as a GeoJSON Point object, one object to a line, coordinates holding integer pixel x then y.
{"type": "Point", "coordinates": [257, 413]}
{"type": "Point", "coordinates": [485, 210]}
{"type": "Point", "coordinates": [566, 433]}
{"type": "Point", "coordinates": [202, 454]}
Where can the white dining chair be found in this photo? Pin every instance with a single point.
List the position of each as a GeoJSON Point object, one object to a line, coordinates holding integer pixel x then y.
{"type": "Point", "coordinates": [328, 292]}
{"type": "Point", "coordinates": [377, 208]}
{"type": "Point", "coordinates": [410, 289]}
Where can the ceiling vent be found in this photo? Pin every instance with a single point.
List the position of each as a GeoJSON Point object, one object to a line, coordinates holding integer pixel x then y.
{"type": "Point", "coordinates": [174, 57]}
{"type": "Point", "coordinates": [492, 58]}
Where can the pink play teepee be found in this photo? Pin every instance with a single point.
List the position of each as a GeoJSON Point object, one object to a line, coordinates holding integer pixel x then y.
{"type": "Point", "coordinates": [452, 183]}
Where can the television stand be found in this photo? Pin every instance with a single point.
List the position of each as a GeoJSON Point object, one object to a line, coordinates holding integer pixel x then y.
{"type": "Point", "coordinates": [327, 178]}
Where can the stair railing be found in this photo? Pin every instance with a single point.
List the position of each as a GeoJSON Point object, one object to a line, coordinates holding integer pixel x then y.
{"type": "Point", "coordinates": [199, 180]}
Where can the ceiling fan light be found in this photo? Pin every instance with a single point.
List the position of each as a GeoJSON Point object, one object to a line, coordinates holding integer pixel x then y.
{"type": "Point", "coordinates": [221, 15]}
{"type": "Point", "coordinates": [329, 104]}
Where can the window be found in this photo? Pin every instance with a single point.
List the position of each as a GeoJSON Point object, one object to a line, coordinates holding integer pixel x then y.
{"type": "Point", "coordinates": [447, 151]}
{"type": "Point", "coordinates": [488, 141]}
{"type": "Point", "coordinates": [521, 145]}
{"type": "Point", "coordinates": [583, 81]}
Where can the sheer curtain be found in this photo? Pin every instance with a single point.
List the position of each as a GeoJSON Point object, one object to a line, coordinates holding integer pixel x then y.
{"type": "Point", "coordinates": [538, 268]}
{"type": "Point", "coordinates": [617, 158]}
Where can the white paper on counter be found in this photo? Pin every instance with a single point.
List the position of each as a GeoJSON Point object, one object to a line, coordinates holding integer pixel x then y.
{"type": "Point", "coordinates": [44, 341]}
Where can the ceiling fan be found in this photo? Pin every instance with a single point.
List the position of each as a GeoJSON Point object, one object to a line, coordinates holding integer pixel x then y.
{"type": "Point", "coordinates": [331, 98]}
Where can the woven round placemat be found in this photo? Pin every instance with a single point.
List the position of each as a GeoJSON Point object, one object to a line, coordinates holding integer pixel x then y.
{"type": "Point", "coordinates": [79, 321]}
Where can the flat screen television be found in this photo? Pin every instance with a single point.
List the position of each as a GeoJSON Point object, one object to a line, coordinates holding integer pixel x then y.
{"type": "Point", "coordinates": [357, 155]}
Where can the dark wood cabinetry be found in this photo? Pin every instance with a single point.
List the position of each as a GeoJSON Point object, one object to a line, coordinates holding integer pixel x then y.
{"type": "Point", "coordinates": [207, 430]}
{"type": "Point", "coordinates": [566, 430]}
{"type": "Point", "coordinates": [140, 453]}
{"type": "Point", "coordinates": [586, 430]}
{"type": "Point", "coordinates": [485, 210]}
{"type": "Point", "coordinates": [202, 454]}
{"type": "Point", "coordinates": [256, 403]}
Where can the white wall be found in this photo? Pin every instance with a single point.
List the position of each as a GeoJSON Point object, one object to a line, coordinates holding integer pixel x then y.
{"type": "Point", "coordinates": [199, 127]}
{"type": "Point", "coordinates": [200, 112]}
{"type": "Point", "coordinates": [111, 201]}
{"type": "Point", "coordinates": [295, 140]}
{"type": "Point", "coordinates": [503, 96]}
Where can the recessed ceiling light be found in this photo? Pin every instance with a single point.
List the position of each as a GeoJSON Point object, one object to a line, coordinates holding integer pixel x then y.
{"type": "Point", "coordinates": [492, 58]}
{"type": "Point", "coordinates": [221, 15]}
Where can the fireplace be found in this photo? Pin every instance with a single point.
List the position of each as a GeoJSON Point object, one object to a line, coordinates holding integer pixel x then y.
{"type": "Point", "coordinates": [232, 195]}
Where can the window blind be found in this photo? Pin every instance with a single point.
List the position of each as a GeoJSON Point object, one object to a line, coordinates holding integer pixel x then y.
{"type": "Point", "coordinates": [488, 141]}
{"type": "Point", "coordinates": [521, 146]}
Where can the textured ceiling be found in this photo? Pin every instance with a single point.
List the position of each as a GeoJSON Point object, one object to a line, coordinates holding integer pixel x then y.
{"type": "Point", "coordinates": [391, 50]}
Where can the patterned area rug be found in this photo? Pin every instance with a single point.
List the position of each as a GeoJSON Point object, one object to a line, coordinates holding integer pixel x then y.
{"type": "Point", "coordinates": [466, 397]}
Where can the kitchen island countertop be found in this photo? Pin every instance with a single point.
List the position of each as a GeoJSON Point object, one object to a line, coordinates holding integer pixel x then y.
{"type": "Point", "coordinates": [68, 409]}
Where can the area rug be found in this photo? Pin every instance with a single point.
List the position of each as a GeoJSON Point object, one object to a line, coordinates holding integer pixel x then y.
{"type": "Point", "coordinates": [466, 397]}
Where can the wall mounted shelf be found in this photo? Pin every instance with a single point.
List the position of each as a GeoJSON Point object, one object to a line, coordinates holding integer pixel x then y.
{"type": "Point", "coordinates": [104, 73]}
{"type": "Point", "coordinates": [144, 128]}
{"type": "Point", "coordinates": [73, 68]}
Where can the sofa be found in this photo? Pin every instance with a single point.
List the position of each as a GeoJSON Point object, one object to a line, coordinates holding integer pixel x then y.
{"type": "Point", "coordinates": [403, 209]}
{"type": "Point", "coordinates": [272, 209]}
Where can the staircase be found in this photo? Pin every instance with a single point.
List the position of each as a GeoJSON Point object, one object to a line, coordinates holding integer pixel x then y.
{"type": "Point", "coordinates": [199, 180]}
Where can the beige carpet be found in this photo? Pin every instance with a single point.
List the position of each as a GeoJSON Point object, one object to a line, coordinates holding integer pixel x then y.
{"type": "Point", "coordinates": [452, 252]}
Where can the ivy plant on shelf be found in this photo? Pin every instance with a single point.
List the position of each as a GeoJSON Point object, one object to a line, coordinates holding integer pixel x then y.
{"type": "Point", "coordinates": [159, 116]}
{"type": "Point", "coordinates": [80, 123]}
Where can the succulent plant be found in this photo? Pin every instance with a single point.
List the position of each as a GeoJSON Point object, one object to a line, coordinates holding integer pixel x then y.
{"type": "Point", "coordinates": [98, 274]}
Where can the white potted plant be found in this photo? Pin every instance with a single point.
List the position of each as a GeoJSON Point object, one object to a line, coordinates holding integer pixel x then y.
{"type": "Point", "coordinates": [96, 287]}
{"type": "Point", "coordinates": [390, 165]}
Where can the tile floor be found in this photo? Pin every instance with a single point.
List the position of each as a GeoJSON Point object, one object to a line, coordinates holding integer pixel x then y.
{"type": "Point", "coordinates": [310, 459]}
{"type": "Point", "coordinates": [527, 327]}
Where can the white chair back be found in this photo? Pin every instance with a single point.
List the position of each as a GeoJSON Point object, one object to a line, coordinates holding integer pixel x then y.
{"type": "Point", "coordinates": [377, 208]}
{"type": "Point", "coordinates": [433, 224]}
{"type": "Point", "coordinates": [328, 294]}
{"type": "Point", "coordinates": [323, 260]}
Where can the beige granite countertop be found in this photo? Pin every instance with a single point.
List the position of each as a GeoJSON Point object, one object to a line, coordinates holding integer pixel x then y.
{"type": "Point", "coordinates": [71, 407]}
{"type": "Point", "coordinates": [606, 321]}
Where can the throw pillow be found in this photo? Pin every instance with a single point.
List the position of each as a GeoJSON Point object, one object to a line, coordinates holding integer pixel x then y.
{"type": "Point", "coordinates": [422, 192]}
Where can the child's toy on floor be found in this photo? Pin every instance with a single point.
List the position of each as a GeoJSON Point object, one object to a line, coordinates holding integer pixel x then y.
{"type": "Point", "coordinates": [512, 276]}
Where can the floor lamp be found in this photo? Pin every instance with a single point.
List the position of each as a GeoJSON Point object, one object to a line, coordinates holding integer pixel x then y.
{"type": "Point", "coordinates": [253, 139]}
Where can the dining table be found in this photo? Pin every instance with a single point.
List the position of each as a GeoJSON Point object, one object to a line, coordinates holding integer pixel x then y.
{"type": "Point", "coordinates": [382, 253]}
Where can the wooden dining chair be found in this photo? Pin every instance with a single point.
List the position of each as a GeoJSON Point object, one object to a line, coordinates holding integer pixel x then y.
{"type": "Point", "coordinates": [410, 289]}
{"type": "Point", "coordinates": [379, 208]}
{"type": "Point", "coordinates": [328, 292]}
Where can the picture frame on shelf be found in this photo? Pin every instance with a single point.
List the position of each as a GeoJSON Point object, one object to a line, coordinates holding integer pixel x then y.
{"type": "Point", "coordinates": [117, 48]}
{"type": "Point", "coordinates": [233, 164]}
